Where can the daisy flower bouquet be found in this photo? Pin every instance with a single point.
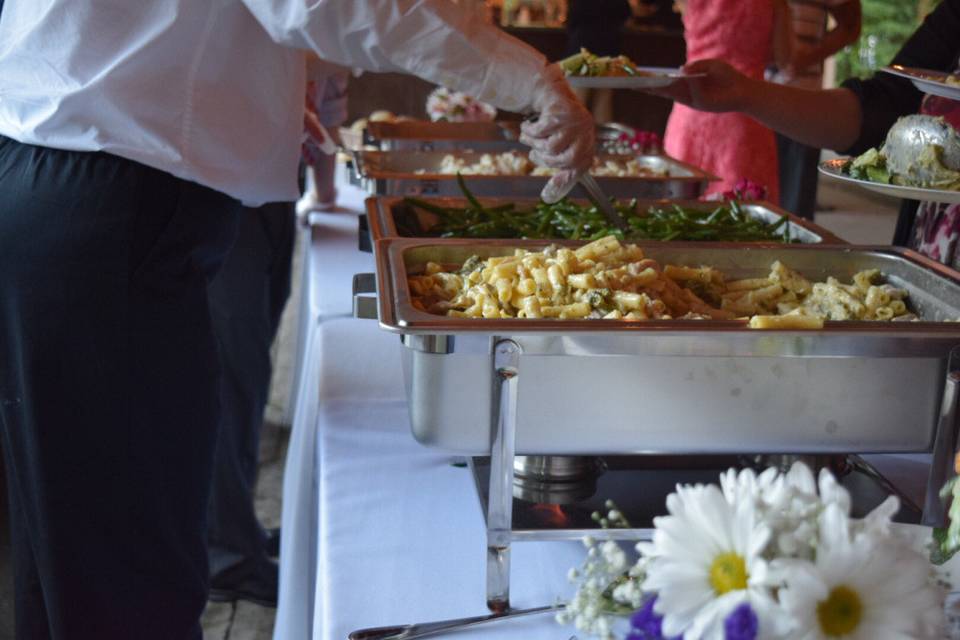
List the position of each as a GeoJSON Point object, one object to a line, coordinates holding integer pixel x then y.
{"type": "Point", "coordinates": [454, 106]}
{"type": "Point", "coordinates": [761, 556]}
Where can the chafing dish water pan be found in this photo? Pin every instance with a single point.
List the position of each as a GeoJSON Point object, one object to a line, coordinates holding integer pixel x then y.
{"type": "Point", "coordinates": [417, 173]}
{"type": "Point", "coordinates": [608, 386]}
{"type": "Point", "coordinates": [391, 217]}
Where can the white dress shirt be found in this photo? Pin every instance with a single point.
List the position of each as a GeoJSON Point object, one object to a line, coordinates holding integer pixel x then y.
{"type": "Point", "coordinates": [203, 89]}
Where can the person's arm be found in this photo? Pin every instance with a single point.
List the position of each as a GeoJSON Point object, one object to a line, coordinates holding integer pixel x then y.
{"type": "Point", "coordinates": [444, 43]}
{"type": "Point", "coordinates": [848, 18]}
{"type": "Point", "coordinates": [823, 119]}
{"type": "Point", "coordinates": [434, 39]}
{"type": "Point", "coordinates": [850, 119]}
{"type": "Point", "coordinates": [782, 34]}
{"type": "Point", "coordinates": [886, 97]}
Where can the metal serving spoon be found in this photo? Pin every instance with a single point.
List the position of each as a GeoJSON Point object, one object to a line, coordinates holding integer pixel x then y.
{"type": "Point", "coordinates": [603, 203]}
{"type": "Point", "coordinates": [423, 629]}
{"type": "Point", "coordinates": [910, 136]}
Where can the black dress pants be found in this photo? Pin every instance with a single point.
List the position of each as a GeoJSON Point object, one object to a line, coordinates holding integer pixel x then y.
{"type": "Point", "coordinates": [109, 386]}
{"type": "Point", "coordinates": [246, 300]}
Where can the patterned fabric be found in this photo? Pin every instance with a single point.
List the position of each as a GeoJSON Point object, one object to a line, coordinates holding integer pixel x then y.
{"type": "Point", "coordinates": [935, 232]}
{"type": "Point", "coordinates": [936, 228]}
{"type": "Point", "coordinates": [730, 145]}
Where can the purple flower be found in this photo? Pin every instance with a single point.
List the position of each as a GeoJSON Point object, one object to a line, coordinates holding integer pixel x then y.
{"type": "Point", "coordinates": [741, 624]}
{"type": "Point", "coordinates": [645, 624]}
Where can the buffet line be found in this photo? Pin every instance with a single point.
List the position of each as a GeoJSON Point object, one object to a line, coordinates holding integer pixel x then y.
{"type": "Point", "coordinates": [536, 336]}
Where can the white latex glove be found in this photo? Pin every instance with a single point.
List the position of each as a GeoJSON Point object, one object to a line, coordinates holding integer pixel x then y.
{"type": "Point", "coordinates": [562, 136]}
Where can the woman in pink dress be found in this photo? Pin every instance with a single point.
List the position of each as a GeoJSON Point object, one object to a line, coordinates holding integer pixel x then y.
{"type": "Point", "coordinates": [747, 34]}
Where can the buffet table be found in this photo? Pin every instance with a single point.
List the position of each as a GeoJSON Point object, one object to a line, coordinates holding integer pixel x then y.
{"type": "Point", "coordinates": [377, 529]}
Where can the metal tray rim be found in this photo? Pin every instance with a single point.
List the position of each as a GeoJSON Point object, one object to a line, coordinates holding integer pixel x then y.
{"type": "Point", "coordinates": [382, 225]}
{"type": "Point", "coordinates": [396, 314]}
{"type": "Point", "coordinates": [364, 158]}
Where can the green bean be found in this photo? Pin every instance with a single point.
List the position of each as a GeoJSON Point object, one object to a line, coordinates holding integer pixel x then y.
{"type": "Point", "coordinates": [726, 222]}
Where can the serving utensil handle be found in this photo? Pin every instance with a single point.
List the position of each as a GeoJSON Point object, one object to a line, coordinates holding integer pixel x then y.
{"type": "Point", "coordinates": [424, 629]}
{"type": "Point", "coordinates": [603, 203]}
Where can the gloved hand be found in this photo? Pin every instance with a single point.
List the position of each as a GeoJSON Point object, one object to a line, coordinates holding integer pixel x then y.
{"type": "Point", "coordinates": [562, 136]}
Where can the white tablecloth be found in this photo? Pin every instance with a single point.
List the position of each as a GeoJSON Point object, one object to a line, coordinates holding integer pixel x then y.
{"type": "Point", "coordinates": [378, 530]}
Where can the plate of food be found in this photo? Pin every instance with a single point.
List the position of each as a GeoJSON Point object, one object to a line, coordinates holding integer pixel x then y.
{"type": "Point", "coordinates": [920, 160]}
{"type": "Point", "coordinates": [585, 70]}
{"type": "Point", "coordinates": [938, 83]}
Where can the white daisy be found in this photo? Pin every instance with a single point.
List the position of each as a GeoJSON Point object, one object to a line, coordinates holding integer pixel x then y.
{"type": "Point", "coordinates": [789, 503]}
{"type": "Point", "coordinates": [862, 586]}
{"type": "Point", "coordinates": [706, 558]}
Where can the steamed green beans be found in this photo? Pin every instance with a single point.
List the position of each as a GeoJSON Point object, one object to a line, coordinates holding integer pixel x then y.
{"type": "Point", "coordinates": [725, 222]}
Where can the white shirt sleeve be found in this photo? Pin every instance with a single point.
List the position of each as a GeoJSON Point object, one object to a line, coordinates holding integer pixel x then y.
{"type": "Point", "coordinates": [435, 39]}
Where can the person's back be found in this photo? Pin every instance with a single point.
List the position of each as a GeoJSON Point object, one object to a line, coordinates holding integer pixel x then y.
{"type": "Point", "coordinates": [129, 134]}
{"type": "Point", "coordinates": [730, 145]}
{"type": "Point", "coordinates": [163, 83]}
{"type": "Point", "coordinates": [738, 31]}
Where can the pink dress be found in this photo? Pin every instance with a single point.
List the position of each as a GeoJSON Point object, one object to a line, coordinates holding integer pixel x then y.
{"type": "Point", "coordinates": [730, 145]}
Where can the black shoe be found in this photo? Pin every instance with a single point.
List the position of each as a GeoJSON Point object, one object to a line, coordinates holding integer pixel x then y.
{"type": "Point", "coordinates": [245, 582]}
{"type": "Point", "coordinates": [272, 547]}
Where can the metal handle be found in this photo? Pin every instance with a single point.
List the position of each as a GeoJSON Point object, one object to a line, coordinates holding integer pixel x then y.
{"type": "Point", "coordinates": [423, 629]}
{"type": "Point", "coordinates": [944, 446]}
{"type": "Point", "coordinates": [603, 203]}
{"type": "Point", "coordinates": [365, 304]}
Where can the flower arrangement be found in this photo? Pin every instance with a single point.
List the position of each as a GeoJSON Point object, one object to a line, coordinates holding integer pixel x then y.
{"type": "Point", "coordinates": [761, 556]}
{"type": "Point", "coordinates": [639, 142]}
{"type": "Point", "coordinates": [746, 189]}
{"type": "Point", "coordinates": [454, 106]}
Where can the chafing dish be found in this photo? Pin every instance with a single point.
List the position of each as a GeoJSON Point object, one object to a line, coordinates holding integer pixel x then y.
{"type": "Point", "coordinates": [421, 135]}
{"type": "Point", "coordinates": [390, 217]}
{"type": "Point", "coordinates": [614, 387]}
{"type": "Point", "coordinates": [417, 173]}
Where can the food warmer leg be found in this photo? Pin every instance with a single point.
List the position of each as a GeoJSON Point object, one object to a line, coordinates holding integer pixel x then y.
{"type": "Point", "coordinates": [495, 477]}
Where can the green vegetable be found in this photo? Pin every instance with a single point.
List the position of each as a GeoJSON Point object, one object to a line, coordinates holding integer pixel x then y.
{"type": "Point", "coordinates": [946, 541]}
{"type": "Point", "coordinates": [727, 222]}
{"type": "Point", "coordinates": [589, 64]}
{"type": "Point", "coordinates": [870, 165]}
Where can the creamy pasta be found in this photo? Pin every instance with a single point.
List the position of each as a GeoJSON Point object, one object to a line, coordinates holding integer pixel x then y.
{"type": "Point", "coordinates": [607, 279]}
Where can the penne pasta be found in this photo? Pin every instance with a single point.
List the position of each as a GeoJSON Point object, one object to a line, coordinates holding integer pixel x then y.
{"type": "Point", "coordinates": [606, 279]}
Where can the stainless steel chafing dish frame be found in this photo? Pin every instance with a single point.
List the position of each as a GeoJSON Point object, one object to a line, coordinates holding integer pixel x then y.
{"type": "Point", "coordinates": [398, 315]}
{"type": "Point", "coordinates": [381, 215]}
{"type": "Point", "coordinates": [395, 173]}
{"type": "Point", "coordinates": [507, 342]}
{"type": "Point", "coordinates": [423, 135]}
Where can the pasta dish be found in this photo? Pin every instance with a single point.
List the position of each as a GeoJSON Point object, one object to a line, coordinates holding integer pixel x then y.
{"type": "Point", "coordinates": [609, 280]}
{"type": "Point", "coordinates": [511, 163]}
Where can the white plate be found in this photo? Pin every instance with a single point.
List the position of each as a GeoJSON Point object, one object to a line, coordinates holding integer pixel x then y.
{"type": "Point", "coordinates": [660, 77]}
{"type": "Point", "coordinates": [927, 80]}
{"type": "Point", "coordinates": [834, 169]}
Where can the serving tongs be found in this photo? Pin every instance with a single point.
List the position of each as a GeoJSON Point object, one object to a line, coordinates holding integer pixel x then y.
{"type": "Point", "coordinates": [424, 629]}
{"type": "Point", "coordinates": [603, 203]}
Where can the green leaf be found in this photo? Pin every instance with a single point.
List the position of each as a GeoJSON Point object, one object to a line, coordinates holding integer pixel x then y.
{"type": "Point", "coordinates": [941, 551]}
